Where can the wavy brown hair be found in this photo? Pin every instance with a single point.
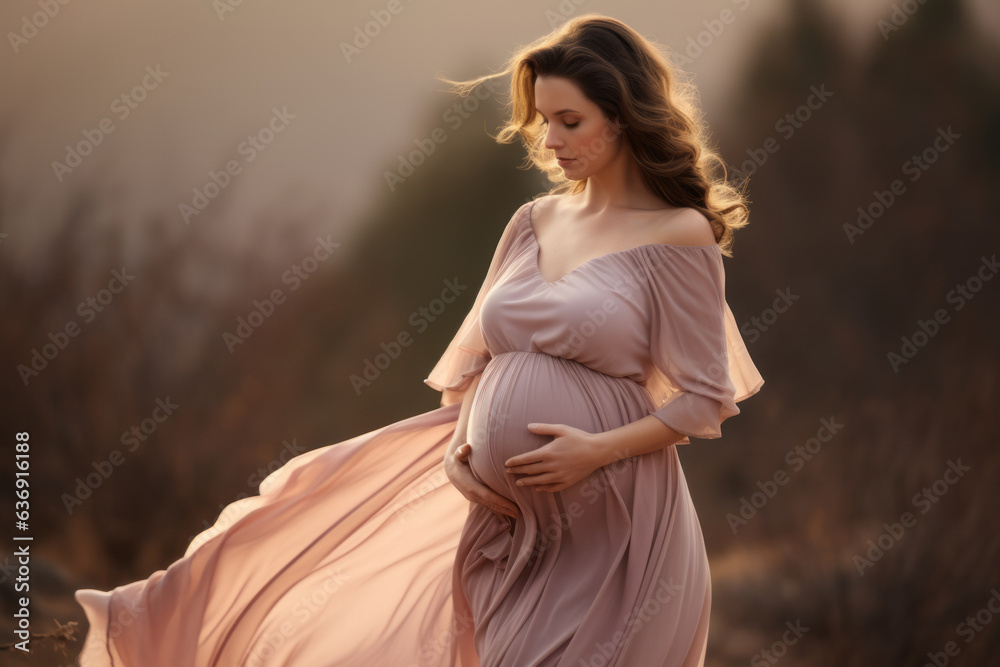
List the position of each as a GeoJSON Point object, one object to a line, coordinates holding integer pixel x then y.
{"type": "Point", "coordinates": [633, 82]}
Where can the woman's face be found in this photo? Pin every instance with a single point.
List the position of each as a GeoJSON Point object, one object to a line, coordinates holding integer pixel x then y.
{"type": "Point", "coordinates": [576, 128]}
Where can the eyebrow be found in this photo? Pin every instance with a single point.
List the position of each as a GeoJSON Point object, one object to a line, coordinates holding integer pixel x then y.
{"type": "Point", "coordinates": [561, 111]}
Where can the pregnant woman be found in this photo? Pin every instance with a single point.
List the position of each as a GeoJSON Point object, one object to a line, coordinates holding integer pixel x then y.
{"type": "Point", "coordinates": [599, 339]}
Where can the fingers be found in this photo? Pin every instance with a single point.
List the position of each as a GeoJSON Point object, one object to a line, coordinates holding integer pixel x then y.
{"type": "Point", "coordinates": [499, 508]}
{"type": "Point", "coordinates": [500, 505]}
{"type": "Point", "coordinates": [502, 512]}
{"type": "Point", "coordinates": [542, 428]}
{"type": "Point", "coordinates": [528, 468]}
{"type": "Point", "coordinates": [527, 479]}
{"type": "Point", "coordinates": [473, 489]}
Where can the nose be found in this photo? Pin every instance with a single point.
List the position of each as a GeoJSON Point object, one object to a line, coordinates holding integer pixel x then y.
{"type": "Point", "coordinates": [552, 140]}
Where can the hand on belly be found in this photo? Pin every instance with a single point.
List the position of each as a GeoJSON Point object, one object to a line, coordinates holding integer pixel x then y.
{"type": "Point", "coordinates": [572, 455]}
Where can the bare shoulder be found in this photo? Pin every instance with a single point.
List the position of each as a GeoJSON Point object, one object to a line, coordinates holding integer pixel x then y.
{"type": "Point", "coordinates": [686, 226]}
{"type": "Point", "coordinates": [544, 208]}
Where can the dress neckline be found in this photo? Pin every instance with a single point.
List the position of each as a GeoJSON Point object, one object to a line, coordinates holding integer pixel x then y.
{"type": "Point", "coordinates": [538, 271]}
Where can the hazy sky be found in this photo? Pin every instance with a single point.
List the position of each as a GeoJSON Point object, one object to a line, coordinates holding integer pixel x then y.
{"type": "Point", "coordinates": [223, 75]}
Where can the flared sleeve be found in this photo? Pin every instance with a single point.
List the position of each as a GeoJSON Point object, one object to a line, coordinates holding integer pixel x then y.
{"type": "Point", "coordinates": [466, 355]}
{"type": "Point", "coordinates": [701, 364]}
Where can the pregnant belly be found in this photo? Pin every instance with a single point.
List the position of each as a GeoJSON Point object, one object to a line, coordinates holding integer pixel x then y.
{"type": "Point", "coordinates": [518, 388]}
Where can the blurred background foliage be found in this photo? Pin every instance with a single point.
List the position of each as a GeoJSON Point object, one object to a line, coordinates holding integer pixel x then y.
{"type": "Point", "coordinates": [289, 384]}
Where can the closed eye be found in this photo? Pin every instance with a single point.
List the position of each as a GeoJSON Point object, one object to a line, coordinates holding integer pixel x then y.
{"type": "Point", "coordinates": [546, 122]}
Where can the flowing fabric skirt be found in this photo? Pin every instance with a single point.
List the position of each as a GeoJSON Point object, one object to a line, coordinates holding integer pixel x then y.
{"type": "Point", "coordinates": [363, 553]}
{"type": "Point", "coordinates": [345, 558]}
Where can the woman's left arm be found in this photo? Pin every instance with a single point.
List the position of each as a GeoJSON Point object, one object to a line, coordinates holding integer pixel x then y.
{"type": "Point", "coordinates": [633, 439]}
{"type": "Point", "coordinates": [573, 453]}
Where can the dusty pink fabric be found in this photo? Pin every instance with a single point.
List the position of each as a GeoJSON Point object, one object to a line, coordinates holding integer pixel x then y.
{"type": "Point", "coordinates": [363, 553]}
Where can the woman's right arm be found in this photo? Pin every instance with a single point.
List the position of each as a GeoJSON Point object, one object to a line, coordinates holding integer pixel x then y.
{"type": "Point", "coordinates": [461, 428]}
{"type": "Point", "coordinates": [457, 467]}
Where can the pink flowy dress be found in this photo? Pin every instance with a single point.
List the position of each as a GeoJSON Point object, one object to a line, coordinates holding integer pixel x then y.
{"type": "Point", "coordinates": [362, 553]}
